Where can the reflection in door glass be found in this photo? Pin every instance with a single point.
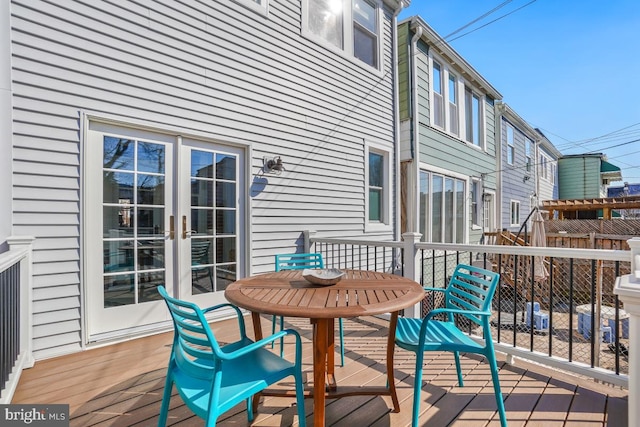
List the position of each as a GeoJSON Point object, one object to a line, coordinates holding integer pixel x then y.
{"type": "Point", "coordinates": [133, 213]}
{"type": "Point", "coordinates": [213, 215]}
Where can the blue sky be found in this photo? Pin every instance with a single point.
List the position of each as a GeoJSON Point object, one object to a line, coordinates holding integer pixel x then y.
{"type": "Point", "coordinates": [568, 67]}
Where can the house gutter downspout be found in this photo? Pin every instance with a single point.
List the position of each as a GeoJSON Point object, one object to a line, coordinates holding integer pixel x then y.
{"type": "Point", "coordinates": [414, 171]}
{"type": "Point", "coordinates": [396, 122]}
{"type": "Point", "coordinates": [498, 126]}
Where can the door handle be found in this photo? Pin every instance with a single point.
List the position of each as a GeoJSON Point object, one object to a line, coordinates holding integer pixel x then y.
{"type": "Point", "coordinates": [184, 226]}
{"type": "Point", "coordinates": [172, 228]}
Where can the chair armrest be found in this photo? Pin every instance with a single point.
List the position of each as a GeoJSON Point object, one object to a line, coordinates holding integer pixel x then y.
{"type": "Point", "coordinates": [241, 325]}
{"type": "Point", "coordinates": [437, 311]}
{"type": "Point", "coordinates": [260, 344]}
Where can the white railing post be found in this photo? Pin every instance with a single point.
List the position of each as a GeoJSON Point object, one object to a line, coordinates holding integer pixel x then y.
{"type": "Point", "coordinates": [26, 295]}
{"type": "Point", "coordinates": [627, 288]}
{"type": "Point", "coordinates": [20, 251]}
{"type": "Point", "coordinates": [412, 268]}
{"type": "Point", "coordinates": [308, 235]}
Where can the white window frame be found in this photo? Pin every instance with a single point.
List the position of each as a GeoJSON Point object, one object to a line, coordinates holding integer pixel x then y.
{"type": "Point", "coordinates": [347, 49]}
{"type": "Point", "coordinates": [511, 144]}
{"type": "Point", "coordinates": [514, 203]}
{"type": "Point", "coordinates": [385, 221]}
{"type": "Point", "coordinates": [476, 198]}
{"type": "Point", "coordinates": [259, 6]}
{"type": "Point", "coordinates": [431, 170]}
{"type": "Point", "coordinates": [457, 129]}
{"type": "Point", "coordinates": [481, 143]}
{"type": "Point", "coordinates": [528, 149]}
{"type": "Point", "coordinates": [552, 173]}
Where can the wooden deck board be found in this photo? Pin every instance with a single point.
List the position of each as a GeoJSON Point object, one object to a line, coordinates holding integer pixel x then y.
{"type": "Point", "coordinates": [121, 385]}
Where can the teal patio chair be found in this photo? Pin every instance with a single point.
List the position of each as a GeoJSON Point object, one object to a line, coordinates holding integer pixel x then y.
{"type": "Point", "coordinates": [300, 262]}
{"type": "Point", "coordinates": [467, 297]}
{"type": "Point", "coordinates": [212, 379]}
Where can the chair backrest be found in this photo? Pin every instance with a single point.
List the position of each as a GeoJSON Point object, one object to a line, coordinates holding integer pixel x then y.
{"type": "Point", "coordinates": [193, 338]}
{"type": "Point", "coordinates": [471, 289]}
{"type": "Point", "coordinates": [298, 261]}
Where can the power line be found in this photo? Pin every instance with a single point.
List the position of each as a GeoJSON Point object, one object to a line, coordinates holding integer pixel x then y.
{"type": "Point", "coordinates": [614, 146]}
{"type": "Point", "coordinates": [491, 22]}
{"type": "Point", "coordinates": [478, 18]}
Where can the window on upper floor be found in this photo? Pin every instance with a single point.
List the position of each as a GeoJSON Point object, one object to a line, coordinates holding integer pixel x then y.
{"type": "Point", "coordinates": [453, 105]}
{"type": "Point", "coordinates": [542, 167]}
{"type": "Point", "coordinates": [438, 99]}
{"type": "Point", "coordinates": [456, 108]}
{"type": "Point", "coordinates": [552, 173]}
{"type": "Point", "coordinates": [528, 147]}
{"type": "Point", "coordinates": [515, 213]}
{"type": "Point", "coordinates": [442, 208]}
{"type": "Point", "coordinates": [473, 118]}
{"type": "Point", "coordinates": [352, 26]}
{"type": "Point", "coordinates": [511, 147]}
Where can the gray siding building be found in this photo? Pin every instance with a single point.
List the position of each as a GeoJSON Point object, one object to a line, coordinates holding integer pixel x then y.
{"type": "Point", "coordinates": [141, 133]}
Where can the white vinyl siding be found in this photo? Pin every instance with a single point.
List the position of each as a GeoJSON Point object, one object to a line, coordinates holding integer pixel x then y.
{"type": "Point", "coordinates": [181, 66]}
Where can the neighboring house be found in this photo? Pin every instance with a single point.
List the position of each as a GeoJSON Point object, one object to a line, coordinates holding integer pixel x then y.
{"type": "Point", "coordinates": [140, 135]}
{"type": "Point", "coordinates": [585, 176]}
{"type": "Point", "coordinates": [448, 146]}
{"type": "Point", "coordinates": [547, 176]}
{"type": "Point", "coordinates": [516, 168]}
{"type": "Point", "coordinates": [527, 169]}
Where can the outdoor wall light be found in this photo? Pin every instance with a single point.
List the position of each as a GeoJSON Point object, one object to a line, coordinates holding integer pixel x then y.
{"type": "Point", "coordinates": [273, 165]}
{"type": "Point", "coordinates": [526, 178]}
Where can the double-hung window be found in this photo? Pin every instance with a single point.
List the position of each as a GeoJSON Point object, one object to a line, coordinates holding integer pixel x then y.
{"type": "Point", "coordinates": [473, 118]}
{"type": "Point", "coordinates": [352, 26]}
{"type": "Point", "coordinates": [475, 203]}
{"type": "Point", "coordinates": [515, 213]}
{"type": "Point", "coordinates": [378, 204]}
{"type": "Point", "coordinates": [453, 104]}
{"type": "Point", "coordinates": [511, 148]}
{"type": "Point", "coordinates": [438, 96]}
{"type": "Point", "coordinates": [527, 153]}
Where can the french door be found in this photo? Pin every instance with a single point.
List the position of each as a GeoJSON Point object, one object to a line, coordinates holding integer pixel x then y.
{"type": "Point", "coordinates": [160, 210]}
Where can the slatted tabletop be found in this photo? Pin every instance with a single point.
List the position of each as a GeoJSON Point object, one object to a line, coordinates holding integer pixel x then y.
{"type": "Point", "coordinates": [359, 293]}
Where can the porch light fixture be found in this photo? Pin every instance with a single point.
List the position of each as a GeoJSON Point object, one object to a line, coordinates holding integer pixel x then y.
{"type": "Point", "coordinates": [273, 165]}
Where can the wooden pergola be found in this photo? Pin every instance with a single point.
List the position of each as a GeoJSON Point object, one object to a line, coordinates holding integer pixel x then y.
{"type": "Point", "coordinates": [568, 209]}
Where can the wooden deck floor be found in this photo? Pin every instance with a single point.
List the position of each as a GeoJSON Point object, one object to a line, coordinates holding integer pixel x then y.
{"type": "Point", "coordinates": [121, 385]}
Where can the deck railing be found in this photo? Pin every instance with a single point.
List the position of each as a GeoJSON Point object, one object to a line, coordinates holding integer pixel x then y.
{"type": "Point", "coordinates": [543, 308]}
{"type": "Point", "coordinates": [15, 315]}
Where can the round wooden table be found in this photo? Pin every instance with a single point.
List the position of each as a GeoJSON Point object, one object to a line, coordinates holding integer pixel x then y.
{"type": "Point", "coordinates": [359, 293]}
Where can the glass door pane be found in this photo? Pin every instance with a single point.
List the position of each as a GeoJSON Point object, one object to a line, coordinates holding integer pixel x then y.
{"type": "Point", "coordinates": [133, 213]}
{"type": "Point", "coordinates": [213, 215]}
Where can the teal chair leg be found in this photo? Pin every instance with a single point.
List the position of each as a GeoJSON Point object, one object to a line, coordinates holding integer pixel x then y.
{"type": "Point", "coordinates": [250, 408]}
{"type": "Point", "coordinates": [282, 339]}
{"type": "Point", "coordinates": [340, 323]}
{"type": "Point", "coordinates": [456, 355]}
{"type": "Point", "coordinates": [417, 389]}
{"type": "Point", "coordinates": [496, 389]}
{"type": "Point", "coordinates": [273, 328]}
{"type": "Point", "coordinates": [166, 397]}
